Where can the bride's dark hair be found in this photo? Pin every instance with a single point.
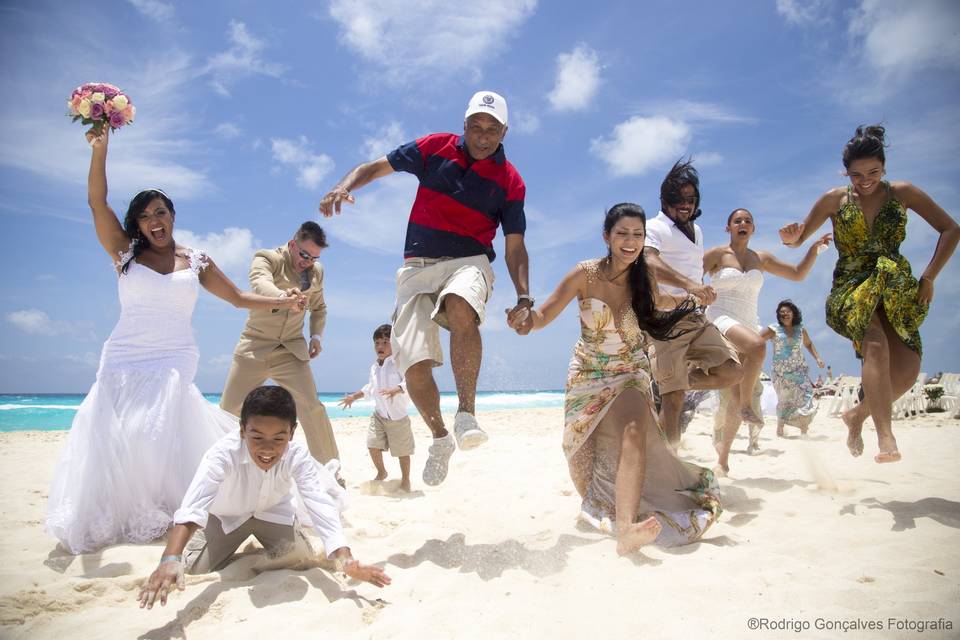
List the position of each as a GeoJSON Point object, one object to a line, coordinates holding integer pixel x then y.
{"type": "Point", "coordinates": [659, 324]}
{"type": "Point", "coordinates": [130, 226]}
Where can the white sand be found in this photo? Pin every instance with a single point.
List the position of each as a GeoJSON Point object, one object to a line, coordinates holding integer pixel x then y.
{"type": "Point", "coordinates": [808, 533]}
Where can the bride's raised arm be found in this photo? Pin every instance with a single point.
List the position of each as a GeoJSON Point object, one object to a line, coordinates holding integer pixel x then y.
{"type": "Point", "coordinates": [109, 230]}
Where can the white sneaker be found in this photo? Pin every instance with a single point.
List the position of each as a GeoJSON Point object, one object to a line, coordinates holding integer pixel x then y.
{"type": "Point", "coordinates": [468, 432]}
{"type": "Point", "coordinates": [435, 471]}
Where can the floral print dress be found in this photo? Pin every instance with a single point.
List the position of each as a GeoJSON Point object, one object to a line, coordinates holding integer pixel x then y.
{"type": "Point", "coordinates": [608, 360]}
{"type": "Point", "coordinates": [791, 378]}
{"type": "Point", "coordinates": [871, 272]}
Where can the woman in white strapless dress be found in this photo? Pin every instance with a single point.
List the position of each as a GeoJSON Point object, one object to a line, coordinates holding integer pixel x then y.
{"type": "Point", "coordinates": [736, 273]}
{"type": "Point", "coordinates": [138, 436]}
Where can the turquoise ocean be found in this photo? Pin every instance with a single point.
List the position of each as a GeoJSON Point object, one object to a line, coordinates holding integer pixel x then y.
{"type": "Point", "coordinates": [55, 412]}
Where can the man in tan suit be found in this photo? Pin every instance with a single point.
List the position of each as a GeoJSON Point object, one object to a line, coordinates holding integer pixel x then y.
{"type": "Point", "coordinates": [272, 343]}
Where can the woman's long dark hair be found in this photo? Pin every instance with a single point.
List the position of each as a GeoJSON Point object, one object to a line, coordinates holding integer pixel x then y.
{"type": "Point", "coordinates": [659, 324]}
{"type": "Point", "coordinates": [867, 142]}
{"type": "Point", "coordinates": [797, 316]}
{"type": "Point", "coordinates": [132, 228]}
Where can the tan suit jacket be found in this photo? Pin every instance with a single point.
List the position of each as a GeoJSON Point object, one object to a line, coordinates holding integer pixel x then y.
{"type": "Point", "coordinates": [271, 273]}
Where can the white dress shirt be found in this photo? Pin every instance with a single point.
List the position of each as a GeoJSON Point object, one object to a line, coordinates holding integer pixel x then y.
{"type": "Point", "coordinates": [676, 250]}
{"type": "Point", "coordinates": [230, 485]}
{"type": "Point", "coordinates": [383, 377]}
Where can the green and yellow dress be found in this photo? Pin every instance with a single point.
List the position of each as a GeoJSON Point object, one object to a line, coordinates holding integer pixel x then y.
{"type": "Point", "coordinates": [872, 272]}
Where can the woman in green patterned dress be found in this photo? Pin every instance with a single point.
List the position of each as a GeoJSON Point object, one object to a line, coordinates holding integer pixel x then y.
{"type": "Point", "coordinates": [630, 480]}
{"type": "Point", "coordinates": [875, 301]}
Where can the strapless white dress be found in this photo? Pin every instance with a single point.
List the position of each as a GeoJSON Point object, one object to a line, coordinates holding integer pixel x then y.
{"type": "Point", "coordinates": [140, 433]}
{"type": "Point", "coordinates": [737, 296]}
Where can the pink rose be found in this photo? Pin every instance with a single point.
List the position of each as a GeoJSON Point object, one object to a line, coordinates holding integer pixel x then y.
{"type": "Point", "coordinates": [129, 113]}
{"type": "Point", "coordinates": [96, 110]}
{"type": "Point", "coordinates": [117, 120]}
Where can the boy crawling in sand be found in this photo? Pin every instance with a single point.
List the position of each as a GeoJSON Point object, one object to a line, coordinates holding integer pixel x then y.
{"type": "Point", "coordinates": [244, 487]}
{"type": "Point", "coordinates": [389, 424]}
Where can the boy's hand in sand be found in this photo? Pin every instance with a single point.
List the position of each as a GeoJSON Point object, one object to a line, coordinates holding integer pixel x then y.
{"type": "Point", "coordinates": [366, 573]}
{"type": "Point", "coordinates": [160, 582]}
{"type": "Point", "coordinates": [330, 203]}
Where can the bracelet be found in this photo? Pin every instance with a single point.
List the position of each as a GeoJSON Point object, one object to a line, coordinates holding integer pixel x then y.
{"type": "Point", "coordinates": [171, 559]}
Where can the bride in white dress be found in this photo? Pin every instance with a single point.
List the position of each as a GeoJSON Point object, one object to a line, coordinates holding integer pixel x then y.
{"type": "Point", "coordinates": [736, 273]}
{"type": "Point", "coordinates": [138, 437]}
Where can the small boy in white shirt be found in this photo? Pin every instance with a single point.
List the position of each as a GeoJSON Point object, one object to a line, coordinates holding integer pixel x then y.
{"type": "Point", "coordinates": [243, 487]}
{"type": "Point", "coordinates": [389, 424]}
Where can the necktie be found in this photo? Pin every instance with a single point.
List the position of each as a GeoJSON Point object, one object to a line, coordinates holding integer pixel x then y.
{"type": "Point", "coordinates": [304, 279]}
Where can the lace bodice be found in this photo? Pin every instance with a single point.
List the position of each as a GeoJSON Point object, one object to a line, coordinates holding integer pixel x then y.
{"type": "Point", "coordinates": [602, 327]}
{"type": "Point", "coordinates": [154, 328]}
{"type": "Point", "coordinates": [737, 295]}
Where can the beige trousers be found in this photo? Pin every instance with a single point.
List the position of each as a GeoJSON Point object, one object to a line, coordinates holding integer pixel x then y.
{"type": "Point", "coordinates": [294, 375]}
{"type": "Point", "coordinates": [213, 549]}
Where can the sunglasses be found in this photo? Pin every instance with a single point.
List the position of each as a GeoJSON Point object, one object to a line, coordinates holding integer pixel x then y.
{"type": "Point", "coordinates": [303, 254]}
{"type": "Point", "coordinates": [683, 200]}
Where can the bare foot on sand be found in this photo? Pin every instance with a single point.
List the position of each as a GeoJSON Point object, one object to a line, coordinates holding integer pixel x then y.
{"type": "Point", "coordinates": [636, 534]}
{"type": "Point", "coordinates": [721, 470]}
{"type": "Point", "coordinates": [380, 477]}
{"type": "Point", "coordinates": [405, 485]}
{"type": "Point", "coordinates": [854, 430]}
{"type": "Point", "coordinates": [747, 415]}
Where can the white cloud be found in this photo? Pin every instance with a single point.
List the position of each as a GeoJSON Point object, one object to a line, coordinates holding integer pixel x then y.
{"type": "Point", "coordinates": [640, 143]}
{"type": "Point", "coordinates": [378, 220]}
{"type": "Point", "coordinates": [311, 168]}
{"type": "Point", "coordinates": [802, 12]}
{"type": "Point", "coordinates": [231, 250]}
{"type": "Point", "coordinates": [578, 77]}
{"type": "Point", "coordinates": [703, 112]}
{"type": "Point", "coordinates": [156, 10]}
{"type": "Point", "coordinates": [421, 39]}
{"type": "Point", "coordinates": [524, 122]}
{"type": "Point", "coordinates": [707, 158]}
{"type": "Point", "coordinates": [386, 139]}
{"type": "Point", "coordinates": [227, 130]}
{"type": "Point", "coordinates": [243, 58]}
{"type": "Point", "coordinates": [37, 322]}
{"type": "Point", "coordinates": [900, 36]}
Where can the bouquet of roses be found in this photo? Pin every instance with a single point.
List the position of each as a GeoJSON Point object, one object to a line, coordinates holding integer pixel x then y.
{"type": "Point", "coordinates": [96, 103]}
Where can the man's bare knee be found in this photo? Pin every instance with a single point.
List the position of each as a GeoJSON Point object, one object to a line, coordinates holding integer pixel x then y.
{"type": "Point", "coordinates": [459, 312]}
{"type": "Point", "coordinates": [729, 373]}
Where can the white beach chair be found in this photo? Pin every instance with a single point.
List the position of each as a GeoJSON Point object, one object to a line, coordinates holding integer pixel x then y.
{"type": "Point", "coordinates": [846, 396]}
{"type": "Point", "coordinates": [912, 403]}
{"type": "Point", "coordinates": [950, 400]}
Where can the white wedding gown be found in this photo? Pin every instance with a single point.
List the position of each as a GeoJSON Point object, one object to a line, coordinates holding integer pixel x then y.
{"type": "Point", "coordinates": [138, 436]}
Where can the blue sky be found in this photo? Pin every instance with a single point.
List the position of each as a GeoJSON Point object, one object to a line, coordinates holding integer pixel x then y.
{"type": "Point", "coordinates": [249, 111]}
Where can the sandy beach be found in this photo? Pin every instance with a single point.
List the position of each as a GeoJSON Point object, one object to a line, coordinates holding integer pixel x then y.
{"type": "Point", "coordinates": [810, 539]}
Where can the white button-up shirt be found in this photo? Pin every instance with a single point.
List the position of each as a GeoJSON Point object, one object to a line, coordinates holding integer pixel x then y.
{"type": "Point", "coordinates": [676, 250]}
{"type": "Point", "coordinates": [383, 377]}
{"type": "Point", "coordinates": [230, 485]}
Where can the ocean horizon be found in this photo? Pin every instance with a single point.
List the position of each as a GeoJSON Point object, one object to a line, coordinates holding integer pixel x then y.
{"type": "Point", "coordinates": [55, 411]}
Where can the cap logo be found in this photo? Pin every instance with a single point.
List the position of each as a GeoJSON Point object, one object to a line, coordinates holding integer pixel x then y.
{"type": "Point", "coordinates": [488, 99]}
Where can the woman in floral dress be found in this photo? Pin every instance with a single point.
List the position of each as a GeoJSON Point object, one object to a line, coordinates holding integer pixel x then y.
{"type": "Point", "coordinates": [791, 375]}
{"type": "Point", "coordinates": [875, 300]}
{"type": "Point", "coordinates": [631, 483]}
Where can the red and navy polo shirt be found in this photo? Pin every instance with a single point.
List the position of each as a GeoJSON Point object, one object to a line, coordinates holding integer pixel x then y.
{"type": "Point", "coordinates": [460, 202]}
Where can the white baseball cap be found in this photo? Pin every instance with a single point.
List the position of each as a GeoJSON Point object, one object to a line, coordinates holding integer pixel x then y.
{"type": "Point", "coordinates": [488, 102]}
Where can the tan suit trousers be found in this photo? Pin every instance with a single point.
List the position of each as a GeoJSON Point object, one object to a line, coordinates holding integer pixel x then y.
{"type": "Point", "coordinates": [294, 375]}
{"type": "Point", "coordinates": [212, 549]}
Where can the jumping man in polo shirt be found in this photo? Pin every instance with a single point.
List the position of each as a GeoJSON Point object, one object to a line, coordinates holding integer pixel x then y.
{"type": "Point", "coordinates": [699, 357]}
{"type": "Point", "coordinates": [467, 189]}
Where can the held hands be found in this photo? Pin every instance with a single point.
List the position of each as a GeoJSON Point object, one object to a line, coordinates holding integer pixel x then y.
{"type": "Point", "coordinates": [331, 202]}
{"type": "Point", "coordinates": [823, 243]}
{"type": "Point", "coordinates": [820, 363]}
{"type": "Point", "coordinates": [704, 293]}
{"type": "Point", "coordinates": [315, 348]}
{"type": "Point", "coordinates": [166, 575]}
{"type": "Point", "coordinates": [293, 300]}
{"type": "Point", "coordinates": [790, 234]}
{"type": "Point", "coordinates": [520, 318]}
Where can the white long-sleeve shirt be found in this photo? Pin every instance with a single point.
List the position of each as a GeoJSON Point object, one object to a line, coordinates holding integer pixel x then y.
{"type": "Point", "coordinates": [676, 250]}
{"type": "Point", "coordinates": [230, 485]}
{"type": "Point", "coordinates": [383, 377]}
